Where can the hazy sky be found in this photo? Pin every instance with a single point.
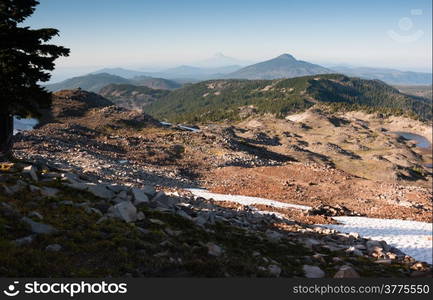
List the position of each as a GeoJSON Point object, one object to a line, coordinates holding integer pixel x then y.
{"type": "Point", "coordinates": [138, 33]}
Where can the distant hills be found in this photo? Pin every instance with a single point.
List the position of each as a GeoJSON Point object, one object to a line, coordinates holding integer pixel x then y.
{"type": "Point", "coordinates": [131, 96]}
{"type": "Point", "coordinates": [95, 82]}
{"type": "Point", "coordinates": [390, 76]}
{"type": "Point", "coordinates": [125, 73]}
{"type": "Point", "coordinates": [91, 82]}
{"type": "Point", "coordinates": [219, 100]}
{"type": "Point", "coordinates": [424, 91]}
{"type": "Point", "coordinates": [283, 66]}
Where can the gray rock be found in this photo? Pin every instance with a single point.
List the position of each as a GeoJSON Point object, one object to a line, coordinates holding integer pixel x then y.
{"type": "Point", "coordinates": [49, 192]}
{"type": "Point", "coordinates": [274, 270]}
{"type": "Point", "coordinates": [149, 191]}
{"type": "Point", "coordinates": [53, 248]}
{"type": "Point", "coordinates": [18, 187]}
{"type": "Point", "coordinates": [7, 190]}
{"type": "Point", "coordinates": [166, 202]}
{"type": "Point", "coordinates": [31, 171]}
{"type": "Point", "coordinates": [24, 241]}
{"type": "Point", "coordinates": [92, 210]}
{"type": "Point", "coordinates": [374, 246]}
{"type": "Point", "coordinates": [159, 196]}
{"type": "Point", "coordinates": [214, 249]}
{"type": "Point", "coordinates": [183, 214]}
{"type": "Point", "coordinates": [140, 216]}
{"type": "Point", "coordinates": [354, 251]}
{"type": "Point", "coordinates": [39, 228]}
{"type": "Point", "coordinates": [313, 272]}
{"type": "Point", "coordinates": [346, 272]}
{"type": "Point", "coordinates": [200, 220]}
{"type": "Point", "coordinates": [139, 196]}
{"type": "Point", "coordinates": [34, 189]}
{"type": "Point", "coordinates": [100, 190]}
{"type": "Point", "coordinates": [116, 188]}
{"type": "Point", "coordinates": [71, 177]}
{"type": "Point", "coordinates": [122, 196]}
{"type": "Point", "coordinates": [77, 186]}
{"type": "Point", "coordinates": [273, 235]}
{"type": "Point", "coordinates": [310, 243]}
{"type": "Point", "coordinates": [124, 211]}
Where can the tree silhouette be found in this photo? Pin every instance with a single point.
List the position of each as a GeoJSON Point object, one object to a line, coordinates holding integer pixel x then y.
{"type": "Point", "coordinates": [25, 60]}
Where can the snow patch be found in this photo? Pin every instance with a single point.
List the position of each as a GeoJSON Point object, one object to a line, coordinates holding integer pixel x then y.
{"type": "Point", "coordinates": [411, 237]}
{"type": "Point", "coordinates": [245, 200]}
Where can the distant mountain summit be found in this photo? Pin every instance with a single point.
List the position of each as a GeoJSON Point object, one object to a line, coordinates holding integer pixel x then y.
{"type": "Point", "coordinates": [283, 66]}
{"type": "Point", "coordinates": [220, 60]}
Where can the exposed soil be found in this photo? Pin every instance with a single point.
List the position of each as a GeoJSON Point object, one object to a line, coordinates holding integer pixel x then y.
{"type": "Point", "coordinates": [313, 185]}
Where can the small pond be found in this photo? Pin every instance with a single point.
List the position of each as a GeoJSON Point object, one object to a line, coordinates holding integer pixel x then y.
{"type": "Point", "coordinates": [24, 124]}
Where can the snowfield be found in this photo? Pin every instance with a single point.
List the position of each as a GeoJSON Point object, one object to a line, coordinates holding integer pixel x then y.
{"type": "Point", "coordinates": [411, 237]}
{"type": "Point", "coordinates": [245, 200]}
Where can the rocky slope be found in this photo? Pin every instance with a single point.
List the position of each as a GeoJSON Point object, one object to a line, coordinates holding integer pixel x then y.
{"type": "Point", "coordinates": [119, 178]}
{"type": "Point", "coordinates": [49, 216]}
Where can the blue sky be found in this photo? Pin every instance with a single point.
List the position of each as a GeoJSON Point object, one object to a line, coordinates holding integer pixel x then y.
{"type": "Point", "coordinates": [140, 33]}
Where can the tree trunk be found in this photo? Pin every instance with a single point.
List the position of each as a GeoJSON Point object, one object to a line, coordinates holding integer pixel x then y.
{"type": "Point", "coordinates": [6, 135]}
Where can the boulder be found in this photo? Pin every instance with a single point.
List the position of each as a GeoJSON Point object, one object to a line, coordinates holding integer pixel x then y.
{"type": "Point", "coordinates": [149, 191]}
{"type": "Point", "coordinates": [100, 190]}
{"type": "Point", "coordinates": [39, 228]}
{"type": "Point", "coordinates": [124, 211]}
{"type": "Point", "coordinates": [139, 196]}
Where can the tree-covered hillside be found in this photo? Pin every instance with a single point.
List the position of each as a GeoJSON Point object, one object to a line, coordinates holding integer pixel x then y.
{"type": "Point", "coordinates": [218, 100]}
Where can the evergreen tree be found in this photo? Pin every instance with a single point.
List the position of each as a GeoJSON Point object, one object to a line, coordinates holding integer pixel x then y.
{"type": "Point", "coordinates": [25, 60]}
